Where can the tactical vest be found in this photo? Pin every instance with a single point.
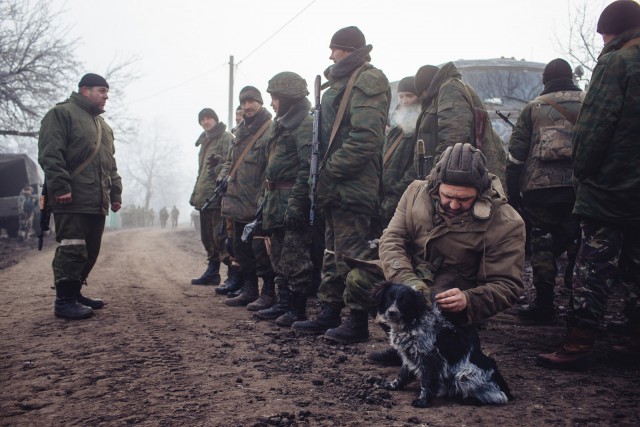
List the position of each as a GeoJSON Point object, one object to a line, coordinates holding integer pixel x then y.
{"type": "Point", "coordinates": [549, 162]}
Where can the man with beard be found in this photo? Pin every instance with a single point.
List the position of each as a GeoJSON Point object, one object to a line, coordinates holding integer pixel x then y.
{"type": "Point", "coordinates": [244, 172]}
{"type": "Point", "coordinates": [286, 205]}
{"type": "Point", "coordinates": [214, 143]}
{"type": "Point", "coordinates": [397, 161]}
{"type": "Point", "coordinates": [354, 114]}
{"type": "Point", "coordinates": [76, 153]}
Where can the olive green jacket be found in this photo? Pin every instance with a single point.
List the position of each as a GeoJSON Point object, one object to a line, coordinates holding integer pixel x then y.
{"type": "Point", "coordinates": [350, 172]}
{"type": "Point", "coordinates": [68, 136]}
{"type": "Point", "coordinates": [398, 171]}
{"type": "Point", "coordinates": [289, 148]}
{"type": "Point", "coordinates": [214, 147]}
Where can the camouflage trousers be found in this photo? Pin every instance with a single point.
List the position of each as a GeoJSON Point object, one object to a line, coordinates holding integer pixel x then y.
{"type": "Point", "coordinates": [554, 231]}
{"type": "Point", "coordinates": [212, 234]}
{"type": "Point", "coordinates": [291, 257]}
{"type": "Point", "coordinates": [80, 236]}
{"type": "Point", "coordinates": [607, 254]}
{"type": "Point", "coordinates": [346, 234]}
{"type": "Point", "coordinates": [252, 256]}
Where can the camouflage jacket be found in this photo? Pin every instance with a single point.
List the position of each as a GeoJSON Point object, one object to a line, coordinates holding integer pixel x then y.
{"type": "Point", "coordinates": [447, 118]}
{"type": "Point", "coordinates": [606, 149]}
{"type": "Point", "coordinates": [68, 136]}
{"type": "Point", "coordinates": [350, 172]}
{"type": "Point", "coordinates": [289, 148]}
{"type": "Point", "coordinates": [240, 202]}
{"type": "Point", "coordinates": [214, 147]}
{"type": "Point", "coordinates": [398, 170]}
{"type": "Point", "coordinates": [484, 245]}
{"type": "Point", "coordinates": [540, 144]}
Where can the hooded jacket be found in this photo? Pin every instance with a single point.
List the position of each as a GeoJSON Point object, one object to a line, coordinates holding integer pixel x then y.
{"type": "Point", "coordinates": [485, 246]}
{"type": "Point", "coordinates": [68, 136]}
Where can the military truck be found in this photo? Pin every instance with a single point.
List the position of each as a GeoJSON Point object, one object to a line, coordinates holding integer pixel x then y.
{"type": "Point", "coordinates": [17, 171]}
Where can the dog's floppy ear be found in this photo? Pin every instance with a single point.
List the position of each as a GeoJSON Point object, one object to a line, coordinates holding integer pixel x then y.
{"type": "Point", "coordinates": [379, 289]}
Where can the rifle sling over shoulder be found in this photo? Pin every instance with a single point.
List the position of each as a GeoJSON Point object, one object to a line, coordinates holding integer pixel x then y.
{"type": "Point", "coordinates": [93, 154]}
{"type": "Point", "coordinates": [573, 118]}
{"type": "Point", "coordinates": [252, 141]}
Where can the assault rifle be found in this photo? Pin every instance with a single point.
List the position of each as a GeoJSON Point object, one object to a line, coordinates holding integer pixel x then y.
{"type": "Point", "coordinates": [505, 117]}
{"type": "Point", "coordinates": [254, 226]}
{"type": "Point", "coordinates": [422, 160]}
{"type": "Point", "coordinates": [220, 188]}
{"type": "Point", "coordinates": [45, 214]}
{"type": "Point", "coordinates": [315, 150]}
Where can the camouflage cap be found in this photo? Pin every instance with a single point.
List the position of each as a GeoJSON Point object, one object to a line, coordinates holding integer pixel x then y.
{"type": "Point", "coordinates": [289, 85]}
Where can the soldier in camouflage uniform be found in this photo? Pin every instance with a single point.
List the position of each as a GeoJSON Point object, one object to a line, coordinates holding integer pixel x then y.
{"type": "Point", "coordinates": [242, 197]}
{"type": "Point", "coordinates": [76, 152]}
{"type": "Point", "coordinates": [447, 117]}
{"type": "Point", "coordinates": [286, 201]}
{"type": "Point", "coordinates": [539, 181]}
{"type": "Point", "coordinates": [397, 161]}
{"type": "Point", "coordinates": [606, 156]}
{"type": "Point", "coordinates": [214, 143]}
{"type": "Point", "coordinates": [349, 177]}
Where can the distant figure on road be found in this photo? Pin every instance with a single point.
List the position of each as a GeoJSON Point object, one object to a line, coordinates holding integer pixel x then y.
{"type": "Point", "coordinates": [164, 216]}
{"type": "Point", "coordinates": [76, 152]}
{"type": "Point", "coordinates": [175, 213]}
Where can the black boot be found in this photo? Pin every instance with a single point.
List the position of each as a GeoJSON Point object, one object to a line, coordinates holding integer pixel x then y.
{"type": "Point", "coordinates": [211, 277]}
{"type": "Point", "coordinates": [328, 317]}
{"type": "Point", "coordinates": [536, 312]}
{"type": "Point", "coordinates": [280, 307]}
{"type": "Point", "coordinates": [233, 282]}
{"type": "Point", "coordinates": [267, 294]}
{"type": "Point", "coordinates": [89, 302]}
{"type": "Point", "coordinates": [354, 329]}
{"type": "Point", "coordinates": [297, 310]}
{"type": "Point", "coordinates": [249, 293]}
{"type": "Point", "coordinates": [66, 304]}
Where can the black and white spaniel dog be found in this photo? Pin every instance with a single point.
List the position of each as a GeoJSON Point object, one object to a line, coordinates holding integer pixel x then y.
{"type": "Point", "coordinates": [445, 358]}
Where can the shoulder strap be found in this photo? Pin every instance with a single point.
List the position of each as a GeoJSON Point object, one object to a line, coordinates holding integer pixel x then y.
{"type": "Point", "coordinates": [343, 107]}
{"type": "Point", "coordinates": [573, 118]}
{"type": "Point", "coordinates": [252, 141]}
{"type": "Point", "coordinates": [631, 42]}
{"type": "Point", "coordinates": [393, 147]}
{"type": "Point", "coordinates": [88, 160]}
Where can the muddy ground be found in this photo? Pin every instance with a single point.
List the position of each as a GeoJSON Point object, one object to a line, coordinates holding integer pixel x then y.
{"type": "Point", "coordinates": [166, 353]}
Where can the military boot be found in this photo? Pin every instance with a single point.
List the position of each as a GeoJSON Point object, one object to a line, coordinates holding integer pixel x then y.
{"type": "Point", "coordinates": [537, 312]}
{"type": "Point", "coordinates": [631, 350]}
{"type": "Point", "coordinates": [280, 307]}
{"type": "Point", "coordinates": [211, 277]}
{"type": "Point", "coordinates": [297, 310]}
{"type": "Point", "coordinates": [233, 282]}
{"type": "Point", "coordinates": [354, 329]}
{"type": "Point", "coordinates": [327, 318]}
{"type": "Point", "coordinates": [267, 294]}
{"type": "Point", "coordinates": [66, 305]}
{"type": "Point", "coordinates": [249, 292]}
{"type": "Point", "coordinates": [93, 303]}
{"type": "Point", "coordinates": [574, 352]}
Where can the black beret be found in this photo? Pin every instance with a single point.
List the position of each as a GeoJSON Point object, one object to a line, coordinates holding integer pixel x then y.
{"type": "Point", "coordinates": [619, 17]}
{"type": "Point", "coordinates": [91, 80]}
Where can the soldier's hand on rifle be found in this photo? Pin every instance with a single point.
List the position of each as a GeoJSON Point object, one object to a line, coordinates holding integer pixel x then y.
{"type": "Point", "coordinates": [65, 199]}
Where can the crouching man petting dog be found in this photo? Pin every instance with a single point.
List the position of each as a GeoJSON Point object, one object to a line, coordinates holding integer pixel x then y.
{"type": "Point", "coordinates": [454, 236]}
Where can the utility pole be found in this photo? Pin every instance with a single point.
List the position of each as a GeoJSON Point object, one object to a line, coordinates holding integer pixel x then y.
{"type": "Point", "coordinates": [232, 122]}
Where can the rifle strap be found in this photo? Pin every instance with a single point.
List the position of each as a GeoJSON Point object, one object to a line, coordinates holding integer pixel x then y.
{"type": "Point", "coordinates": [573, 118]}
{"type": "Point", "coordinates": [93, 154]}
{"type": "Point", "coordinates": [343, 107]}
{"type": "Point", "coordinates": [632, 42]}
{"type": "Point", "coordinates": [252, 141]}
{"type": "Point", "coordinates": [393, 147]}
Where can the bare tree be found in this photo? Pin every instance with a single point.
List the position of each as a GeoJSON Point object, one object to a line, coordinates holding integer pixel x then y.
{"type": "Point", "coordinates": [35, 58]}
{"type": "Point", "coordinates": [582, 46]}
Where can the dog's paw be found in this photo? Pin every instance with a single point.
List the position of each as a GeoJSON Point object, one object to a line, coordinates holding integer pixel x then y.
{"type": "Point", "coordinates": [391, 385]}
{"type": "Point", "coordinates": [420, 403]}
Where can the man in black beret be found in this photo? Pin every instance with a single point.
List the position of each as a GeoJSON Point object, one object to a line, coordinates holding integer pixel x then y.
{"type": "Point", "coordinates": [76, 152]}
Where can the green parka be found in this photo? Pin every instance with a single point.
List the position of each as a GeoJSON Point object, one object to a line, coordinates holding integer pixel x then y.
{"type": "Point", "coordinates": [351, 171]}
{"type": "Point", "coordinates": [484, 245]}
{"type": "Point", "coordinates": [606, 140]}
{"type": "Point", "coordinates": [241, 200]}
{"type": "Point", "coordinates": [214, 144]}
{"type": "Point", "coordinates": [447, 118]}
{"type": "Point", "coordinates": [289, 148]}
{"type": "Point", "coordinates": [68, 136]}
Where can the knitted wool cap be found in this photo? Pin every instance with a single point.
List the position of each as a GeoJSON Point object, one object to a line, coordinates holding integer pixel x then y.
{"type": "Point", "coordinates": [407, 84]}
{"type": "Point", "coordinates": [619, 17]}
{"type": "Point", "coordinates": [91, 80]}
{"type": "Point", "coordinates": [348, 38]}
{"type": "Point", "coordinates": [207, 112]}
{"type": "Point", "coordinates": [424, 77]}
{"type": "Point", "coordinates": [558, 68]}
{"type": "Point", "coordinates": [250, 93]}
{"type": "Point", "coordinates": [462, 165]}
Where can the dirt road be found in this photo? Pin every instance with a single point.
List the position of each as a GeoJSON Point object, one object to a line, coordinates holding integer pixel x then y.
{"type": "Point", "coordinates": [166, 353]}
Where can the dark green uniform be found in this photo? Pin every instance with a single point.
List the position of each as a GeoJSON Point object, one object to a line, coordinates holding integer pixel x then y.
{"type": "Point", "coordinates": [398, 170]}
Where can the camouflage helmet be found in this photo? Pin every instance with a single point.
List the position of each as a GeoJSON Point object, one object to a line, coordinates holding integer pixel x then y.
{"type": "Point", "coordinates": [288, 84]}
